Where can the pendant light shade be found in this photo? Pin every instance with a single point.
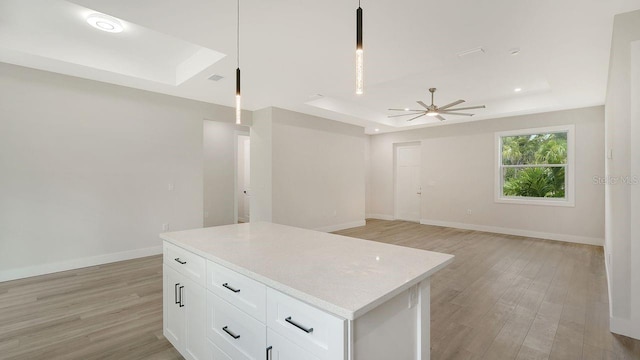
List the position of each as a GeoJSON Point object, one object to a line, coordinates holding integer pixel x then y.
{"type": "Point", "coordinates": [359, 53]}
{"type": "Point", "coordinates": [238, 94]}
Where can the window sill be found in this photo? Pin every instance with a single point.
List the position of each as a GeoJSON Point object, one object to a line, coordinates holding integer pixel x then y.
{"type": "Point", "coordinates": [535, 201]}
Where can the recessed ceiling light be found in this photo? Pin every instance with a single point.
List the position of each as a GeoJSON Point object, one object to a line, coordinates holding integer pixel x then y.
{"type": "Point", "coordinates": [406, 109]}
{"type": "Point", "coordinates": [376, 130]}
{"type": "Point", "coordinates": [105, 23]}
{"type": "Point", "coordinates": [517, 89]}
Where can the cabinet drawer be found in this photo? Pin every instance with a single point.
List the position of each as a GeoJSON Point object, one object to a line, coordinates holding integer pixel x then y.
{"type": "Point", "coordinates": [246, 294]}
{"type": "Point", "coordinates": [216, 353]}
{"type": "Point", "coordinates": [319, 333]}
{"type": "Point", "coordinates": [282, 349]}
{"type": "Point", "coordinates": [189, 264]}
{"type": "Point", "coordinates": [237, 334]}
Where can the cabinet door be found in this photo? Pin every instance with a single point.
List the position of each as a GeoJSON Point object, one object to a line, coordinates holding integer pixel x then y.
{"type": "Point", "coordinates": [173, 319]}
{"type": "Point", "coordinates": [283, 349]}
{"type": "Point", "coordinates": [194, 300]}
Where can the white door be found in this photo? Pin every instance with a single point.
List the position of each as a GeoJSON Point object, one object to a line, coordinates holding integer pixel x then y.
{"type": "Point", "coordinates": [244, 178]}
{"type": "Point", "coordinates": [408, 189]}
{"type": "Point", "coordinates": [247, 179]}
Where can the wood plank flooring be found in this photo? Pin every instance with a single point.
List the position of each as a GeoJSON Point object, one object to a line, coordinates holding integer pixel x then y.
{"type": "Point", "coordinates": [504, 297]}
{"type": "Point", "coordinates": [509, 297]}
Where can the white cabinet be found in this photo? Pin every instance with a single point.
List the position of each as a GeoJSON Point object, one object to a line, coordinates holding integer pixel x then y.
{"type": "Point", "coordinates": [320, 333]}
{"type": "Point", "coordinates": [282, 349]}
{"type": "Point", "coordinates": [237, 334]}
{"type": "Point", "coordinates": [184, 303]}
{"type": "Point", "coordinates": [215, 312]}
{"type": "Point", "coordinates": [174, 319]}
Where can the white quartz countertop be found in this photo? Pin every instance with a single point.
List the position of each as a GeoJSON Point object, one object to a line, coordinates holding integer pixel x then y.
{"type": "Point", "coordinates": [341, 275]}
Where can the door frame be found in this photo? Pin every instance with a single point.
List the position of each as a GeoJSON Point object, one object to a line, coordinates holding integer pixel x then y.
{"type": "Point", "coordinates": [237, 134]}
{"type": "Point", "coordinates": [396, 146]}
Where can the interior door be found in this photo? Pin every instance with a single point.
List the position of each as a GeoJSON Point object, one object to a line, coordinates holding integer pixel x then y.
{"type": "Point", "coordinates": [247, 179]}
{"type": "Point", "coordinates": [243, 185]}
{"type": "Point", "coordinates": [408, 189]}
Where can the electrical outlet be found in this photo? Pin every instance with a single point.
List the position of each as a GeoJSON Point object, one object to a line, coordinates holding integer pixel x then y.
{"type": "Point", "coordinates": [171, 186]}
{"type": "Point", "coordinates": [165, 227]}
{"type": "Point", "coordinates": [469, 212]}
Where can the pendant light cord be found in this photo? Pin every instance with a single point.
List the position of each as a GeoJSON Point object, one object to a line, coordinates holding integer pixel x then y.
{"type": "Point", "coordinates": [238, 37]}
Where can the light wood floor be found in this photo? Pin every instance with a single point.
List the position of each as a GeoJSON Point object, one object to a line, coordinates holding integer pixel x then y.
{"type": "Point", "coordinates": [508, 297]}
{"type": "Point", "coordinates": [503, 297]}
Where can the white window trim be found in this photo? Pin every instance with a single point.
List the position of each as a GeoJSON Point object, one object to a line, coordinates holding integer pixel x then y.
{"type": "Point", "coordinates": [570, 187]}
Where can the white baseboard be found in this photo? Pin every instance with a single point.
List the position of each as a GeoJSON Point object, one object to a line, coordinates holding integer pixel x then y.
{"type": "Point", "coordinates": [380, 216]}
{"type": "Point", "coordinates": [339, 227]}
{"type": "Point", "coordinates": [36, 270]}
{"type": "Point", "coordinates": [518, 232]}
{"type": "Point", "coordinates": [626, 327]}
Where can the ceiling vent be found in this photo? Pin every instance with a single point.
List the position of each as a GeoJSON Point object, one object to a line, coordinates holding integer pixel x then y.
{"type": "Point", "coordinates": [471, 53]}
{"type": "Point", "coordinates": [216, 77]}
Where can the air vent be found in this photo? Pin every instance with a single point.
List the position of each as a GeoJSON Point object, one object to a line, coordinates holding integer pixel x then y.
{"type": "Point", "coordinates": [471, 53]}
{"type": "Point", "coordinates": [216, 77]}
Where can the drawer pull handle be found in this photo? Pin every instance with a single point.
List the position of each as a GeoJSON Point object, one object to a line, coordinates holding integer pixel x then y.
{"type": "Point", "coordinates": [180, 261]}
{"type": "Point", "coordinates": [269, 352]}
{"type": "Point", "coordinates": [175, 293]}
{"type": "Point", "coordinates": [181, 294]}
{"type": "Point", "coordinates": [230, 288]}
{"type": "Point", "coordinates": [308, 331]}
{"type": "Point", "coordinates": [230, 333]}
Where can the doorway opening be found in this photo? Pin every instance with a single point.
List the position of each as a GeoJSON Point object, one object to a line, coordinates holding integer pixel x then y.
{"type": "Point", "coordinates": [243, 178]}
{"type": "Point", "coordinates": [408, 190]}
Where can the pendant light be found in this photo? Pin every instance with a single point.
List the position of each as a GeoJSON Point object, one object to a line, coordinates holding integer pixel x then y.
{"type": "Point", "coordinates": [238, 96]}
{"type": "Point", "coordinates": [359, 52]}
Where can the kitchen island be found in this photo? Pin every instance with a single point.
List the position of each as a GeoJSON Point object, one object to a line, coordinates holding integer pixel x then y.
{"type": "Point", "coordinates": [268, 291]}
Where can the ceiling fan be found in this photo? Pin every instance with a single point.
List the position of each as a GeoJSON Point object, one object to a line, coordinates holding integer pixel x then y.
{"type": "Point", "coordinates": [435, 111]}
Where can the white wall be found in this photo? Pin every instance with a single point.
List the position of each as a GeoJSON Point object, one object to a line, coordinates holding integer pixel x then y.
{"type": "Point", "coordinates": [458, 174]}
{"type": "Point", "coordinates": [622, 200]}
{"type": "Point", "coordinates": [219, 164]}
{"type": "Point", "coordinates": [317, 170]}
{"type": "Point", "coordinates": [86, 167]}
{"type": "Point", "coordinates": [261, 166]}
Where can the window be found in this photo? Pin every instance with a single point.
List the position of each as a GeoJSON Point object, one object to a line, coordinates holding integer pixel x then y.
{"type": "Point", "coordinates": [535, 166]}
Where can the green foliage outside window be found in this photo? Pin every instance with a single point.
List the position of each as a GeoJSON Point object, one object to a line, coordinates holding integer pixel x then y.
{"type": "Point", "coordinates": [534, 165]}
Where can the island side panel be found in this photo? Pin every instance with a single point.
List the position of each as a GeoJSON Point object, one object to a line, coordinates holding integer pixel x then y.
{"type": "Point", "coordinates": [397, 329]}
{"type": "Point", "coordinates": [423, 318]}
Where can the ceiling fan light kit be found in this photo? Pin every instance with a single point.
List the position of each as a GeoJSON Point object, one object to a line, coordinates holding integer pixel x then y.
{"type": "Point", "coordinates": [434, 110]}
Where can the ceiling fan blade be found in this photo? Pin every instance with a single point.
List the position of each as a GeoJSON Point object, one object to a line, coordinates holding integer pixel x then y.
{"type": "Point", "coordinates": [466, 108]}
{"type": "Point", "coordinates": [392, 116]}
{"type": "Point", "coordinates": [417, 116]}
{"type": "Point", "coordinates": [404, 110]}
{"type": "Point", "coordinates": [423, 104]}
{"type": "Point", "coordinates": [451, 104]}
{"type": "Point", "coordinates": [455, 113]}
{"type": "Point", "coordinates": [440, 118]}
